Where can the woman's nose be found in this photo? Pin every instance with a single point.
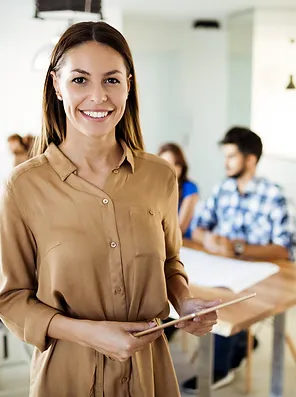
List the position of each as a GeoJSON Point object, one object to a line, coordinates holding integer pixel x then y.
{"type": "Point", "coordinates": [99, 95]}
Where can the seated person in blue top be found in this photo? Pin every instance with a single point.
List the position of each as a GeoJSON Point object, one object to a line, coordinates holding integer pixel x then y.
{"type": "Point", "coordinates": [188, 197]}
{"type": "Point", "coordinates": [245, 217]}
{"type": "Point", "coordinates": [188, 191]}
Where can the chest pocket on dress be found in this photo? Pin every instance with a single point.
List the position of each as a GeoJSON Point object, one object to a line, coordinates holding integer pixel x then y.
{"type": "Point", "coordinates": [147, 230]}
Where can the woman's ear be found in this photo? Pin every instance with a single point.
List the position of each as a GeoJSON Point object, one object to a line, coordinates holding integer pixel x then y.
{"type": "Point", "coordinates": [56, 85]}
{"type": "Point", "coordinates": [129, 83]}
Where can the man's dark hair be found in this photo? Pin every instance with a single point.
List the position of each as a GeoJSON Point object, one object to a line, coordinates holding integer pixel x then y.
{"type": "Point", "coordinates": [246, 140]}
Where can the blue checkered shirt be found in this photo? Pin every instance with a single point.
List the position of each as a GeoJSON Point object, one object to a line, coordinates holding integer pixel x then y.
{"type": "Point", "coordinates": [260, 216]}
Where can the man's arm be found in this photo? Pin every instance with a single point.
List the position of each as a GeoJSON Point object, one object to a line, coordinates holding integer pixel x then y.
{"type": "Point", "coordinates": [268, 252]}
{"type": "Point", "coordinates": [198, 235]}
{"type": "Point", "coordinates": [282, 233]}
{"type": "Point", "coordinates": [206, 220]}
{"type": "Point", "coordinates": [282, 230]}
{"type": "Point", "coordinates": [226, 247]}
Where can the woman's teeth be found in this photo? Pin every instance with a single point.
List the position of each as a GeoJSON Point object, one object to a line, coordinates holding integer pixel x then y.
{"type": "Point", "coordinates": [96, 115]}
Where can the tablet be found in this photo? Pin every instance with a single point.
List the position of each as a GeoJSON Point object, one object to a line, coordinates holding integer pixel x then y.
{"type": "Point", "coordinates": [193, 315]}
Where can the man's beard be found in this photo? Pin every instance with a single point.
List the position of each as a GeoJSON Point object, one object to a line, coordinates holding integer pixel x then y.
{"type": "Point", "coordinates": [240, 173]}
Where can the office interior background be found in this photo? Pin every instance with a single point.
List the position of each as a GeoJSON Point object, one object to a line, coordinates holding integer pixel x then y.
{"type": "Point", "coordinates": [195, 81]}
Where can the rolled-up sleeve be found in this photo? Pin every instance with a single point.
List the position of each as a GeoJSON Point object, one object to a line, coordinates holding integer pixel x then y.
{"type": "Point", "coordinates": [206, 218]}
{"type": "Point", "coordinates": [20, 310]}
{"type": "Point", "coordinates": [173, 235]}
{"type": "Point", "coordinates": [283, 223]}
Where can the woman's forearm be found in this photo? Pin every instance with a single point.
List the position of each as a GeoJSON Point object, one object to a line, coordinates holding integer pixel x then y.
{"type": "Point", "coordinates": [186, 211]}
{"type": "Point", "coordinates": [178, 291]}
{"type": "Point", "coordinates": [68, 329]}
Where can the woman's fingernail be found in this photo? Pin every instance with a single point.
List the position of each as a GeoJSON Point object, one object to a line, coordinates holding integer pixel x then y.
{"type": "Point", "coordinates": [152, 324]}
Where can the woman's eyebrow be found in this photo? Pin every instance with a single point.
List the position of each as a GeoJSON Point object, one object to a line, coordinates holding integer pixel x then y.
{"type": "Point", "coordinates": [114, 71]}
{"type": "Point", "coordinates": [110, 73]}
{"type": "Point", "coordinates": [80, 71]}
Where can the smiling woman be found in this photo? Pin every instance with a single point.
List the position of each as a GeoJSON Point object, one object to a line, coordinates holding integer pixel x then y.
{"type": "Point", "coordinates": [89, 234]}
{"type": "Point", "coordinates": [90, 72]}
{"type": "Point", "coordinates": [94, 95]}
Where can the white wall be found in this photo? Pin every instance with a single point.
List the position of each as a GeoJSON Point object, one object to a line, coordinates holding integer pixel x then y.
{"type": "Point", "coordinates": [282, 171]}
{"type": "Point", "coordinates": [182, 76]}
{"type": "Point", "coordinates": [274, 59]}
{"type": "Point", "coordinates": [273, 107]}
{"type": "Point", "coordinates": [240, 56]}
{"type": "Point", "coordinates": [21, 37]}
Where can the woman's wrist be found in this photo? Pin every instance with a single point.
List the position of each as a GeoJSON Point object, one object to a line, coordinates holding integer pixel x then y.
{"type": "Point", "coordinates": [69, 329]}
{"type": "Point", "coordinates": [178, 291]}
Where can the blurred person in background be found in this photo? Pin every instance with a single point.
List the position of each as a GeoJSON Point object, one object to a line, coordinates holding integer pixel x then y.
{"type": "Point", "coordinates": [188, 190]}
{"type": "Point", "coordinates": [17, 148]}
{"type": "Point", "coordinates": [29, 141]}
{"type": "Point", "coordinates": [245, 217]}
{"type": "Point", "coordinates": [188, 197]}
{"type": "Point", "coordinates": [20, 147]}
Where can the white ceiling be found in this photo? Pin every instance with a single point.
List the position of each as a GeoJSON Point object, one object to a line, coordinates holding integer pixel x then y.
{"type": "Point", "coordinates": [199, 8]}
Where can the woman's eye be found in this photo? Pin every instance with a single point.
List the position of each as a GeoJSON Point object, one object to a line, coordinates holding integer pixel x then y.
{"type": "Point", "coordinates": [112, 80]}
{"type": "Point", "coordinates": [79, 80]}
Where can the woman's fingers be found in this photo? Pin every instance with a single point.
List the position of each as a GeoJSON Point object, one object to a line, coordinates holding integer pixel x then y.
{"type": "Point", "coordinates": [196, 324]}
{"type": "Point", "coordinates": [199, 331]}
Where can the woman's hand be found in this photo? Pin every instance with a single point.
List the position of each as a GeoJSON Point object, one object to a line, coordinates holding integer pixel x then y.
{"type": "Point", "coordinates": [199, 326]}
{"type": "Point", "coordinates": [115, 339]}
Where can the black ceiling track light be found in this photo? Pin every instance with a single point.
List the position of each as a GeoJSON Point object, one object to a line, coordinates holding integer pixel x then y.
{"type": "Point", "coordinates": [206, 24]}
{"type": "Point", "coordinates": [89, 6]}
{"type": "Point", "coordinates": [69, 11]}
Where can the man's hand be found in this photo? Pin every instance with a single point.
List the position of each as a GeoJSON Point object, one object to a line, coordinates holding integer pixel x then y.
{"type": "Point", "coordinates": [226, 247]}
{"type": "Point", "coordinates": [211, 242]}
{"type": "Point", "coordinates": [218, 245]}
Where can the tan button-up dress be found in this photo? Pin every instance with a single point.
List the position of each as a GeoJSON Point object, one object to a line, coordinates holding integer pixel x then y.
{"type": "Point", "coordinates": [68, 247]}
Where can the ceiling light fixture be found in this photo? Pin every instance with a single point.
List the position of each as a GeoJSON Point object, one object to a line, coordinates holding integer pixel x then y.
{"type": "Point", "coordinates": [69, 10]}
{"type": "Point", "coordinates": [291, 84]}
{"type": "Point", "coordinates": [45, 9]}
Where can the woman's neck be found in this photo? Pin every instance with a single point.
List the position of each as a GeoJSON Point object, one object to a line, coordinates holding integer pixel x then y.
{"type": "Point", "coordinates": [92, 153]}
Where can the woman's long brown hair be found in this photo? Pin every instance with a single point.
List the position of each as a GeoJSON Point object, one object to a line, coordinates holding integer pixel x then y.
{"type": "Point", "coordinates": [179, 160]}
{"type": "Point", "coordinates": [54, 118]}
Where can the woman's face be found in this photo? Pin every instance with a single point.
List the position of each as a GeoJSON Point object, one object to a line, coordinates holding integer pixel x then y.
{"type": "Point", "coordinates": [93, 85]}
{"type": "Point", "coordinates": [169, 156]}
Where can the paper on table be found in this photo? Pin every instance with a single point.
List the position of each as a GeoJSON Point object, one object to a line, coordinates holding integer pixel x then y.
{"type": "Point", "coordinates": [215, 271]}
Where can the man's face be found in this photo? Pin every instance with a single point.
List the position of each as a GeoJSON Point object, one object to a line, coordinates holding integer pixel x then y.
{"type": "Point", "coordinates": [235, 161]}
